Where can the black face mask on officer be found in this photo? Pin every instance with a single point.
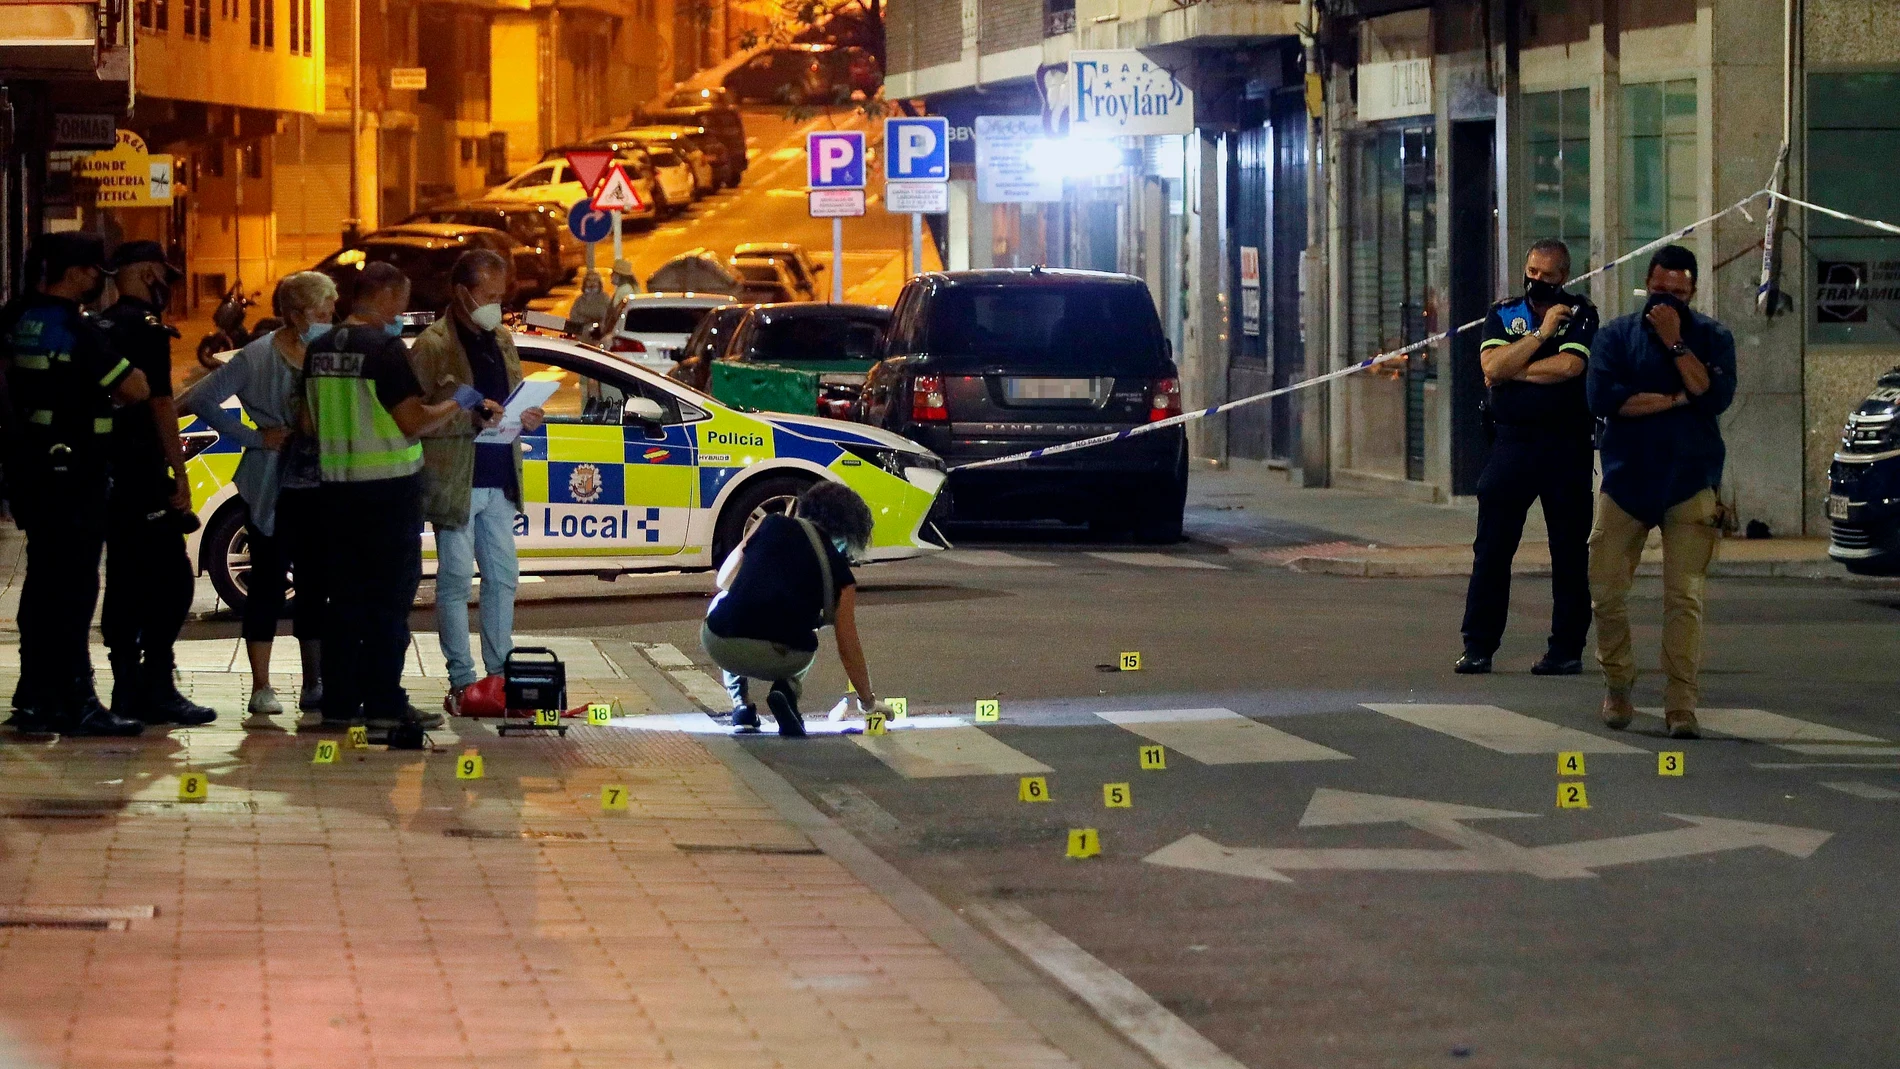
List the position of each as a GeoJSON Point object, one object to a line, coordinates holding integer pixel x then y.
{"type": "Point", "coordinates": [95, 291]}
{"type": "Point", "coordinates": [1542, 292]}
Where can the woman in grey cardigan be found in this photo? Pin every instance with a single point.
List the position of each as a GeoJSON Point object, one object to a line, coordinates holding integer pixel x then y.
{"type": "Point", "coordinates": [277, 479]}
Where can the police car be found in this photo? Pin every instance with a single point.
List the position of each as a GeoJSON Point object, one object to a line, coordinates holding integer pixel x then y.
{"type": "Point", "coordinates": [633, 472]}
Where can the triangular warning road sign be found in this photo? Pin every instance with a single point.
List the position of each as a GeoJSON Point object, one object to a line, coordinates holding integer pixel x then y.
{"type": "Point", "coordinates": [588, 165]}
{"type": "Point", "coordinates": [617, 193]}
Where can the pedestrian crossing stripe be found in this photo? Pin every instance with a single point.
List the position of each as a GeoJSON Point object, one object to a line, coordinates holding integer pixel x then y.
{"type": "Point", "coordinates": [1787, 732]}
{"type": "Point", "coordinates": [947, 752]}
{"type": "Point", "coordinates": [1220, 736]}
{"type": "Point", "coordinates": [1500, 730]}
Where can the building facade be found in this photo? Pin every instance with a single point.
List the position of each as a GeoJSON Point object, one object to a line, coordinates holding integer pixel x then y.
{"type": "Point", "coordinates": [1362, 175]}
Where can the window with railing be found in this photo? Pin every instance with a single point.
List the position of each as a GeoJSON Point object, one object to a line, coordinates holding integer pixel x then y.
{"type": "Point", "coordinates": [1058, 17]}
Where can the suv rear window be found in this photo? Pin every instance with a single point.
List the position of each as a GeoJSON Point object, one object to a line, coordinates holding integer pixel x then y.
{"type": "Point", "coordinates": [1086, 327]}
{"type": "Point", "coordinates": [663, 320]}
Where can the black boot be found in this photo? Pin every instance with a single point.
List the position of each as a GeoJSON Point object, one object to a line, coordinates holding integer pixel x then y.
{"type": "Point", "coordinates": [128, 686]}
{"type": "Point", "coordinates": [164, 705]}
{"type": "Point", "coordinates": [84, 715]}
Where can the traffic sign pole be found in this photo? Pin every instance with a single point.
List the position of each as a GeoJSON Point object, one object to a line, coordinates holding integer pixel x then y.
{"type": "Point", "coordinates": [617, 254]}
{"type": "Point", "coordinates": [916, 243]}
{"type": "Point", "coordinates": [837, 260]}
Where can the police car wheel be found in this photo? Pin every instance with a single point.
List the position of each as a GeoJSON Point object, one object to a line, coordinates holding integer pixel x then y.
{"type": "Point", "coordinates": [777, 494]}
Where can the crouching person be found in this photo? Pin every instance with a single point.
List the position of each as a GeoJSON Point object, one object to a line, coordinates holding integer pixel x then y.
{"type": "Point", "coordinates": [791, 576]}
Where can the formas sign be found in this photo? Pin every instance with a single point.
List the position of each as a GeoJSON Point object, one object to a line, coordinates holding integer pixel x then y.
{"type": "Point", "coordinates": [1118, 92]}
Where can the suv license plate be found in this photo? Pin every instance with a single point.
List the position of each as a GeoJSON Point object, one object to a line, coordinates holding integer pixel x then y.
{"type": "Point", "coordinates": [1025, 389]}
{"type": "Point", "coordinates": [1837, 506]}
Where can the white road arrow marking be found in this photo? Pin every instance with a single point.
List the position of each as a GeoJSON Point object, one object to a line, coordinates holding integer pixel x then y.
{"type": "Point", "coordinates": [1477, 851]}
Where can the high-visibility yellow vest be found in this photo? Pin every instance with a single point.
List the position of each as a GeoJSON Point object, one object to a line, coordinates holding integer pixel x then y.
{"type": "Point", "coordinates": [357, 439]}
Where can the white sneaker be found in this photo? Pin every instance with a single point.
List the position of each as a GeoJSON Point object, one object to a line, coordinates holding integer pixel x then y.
{"type": "Point", "coordinates": [311, 696]}
{"type": "Point", "coordinates": [264, 703]}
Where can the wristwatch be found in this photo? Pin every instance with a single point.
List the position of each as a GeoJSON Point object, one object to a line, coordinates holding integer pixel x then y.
{"type": "Point", "coordinates": [1679, 349]}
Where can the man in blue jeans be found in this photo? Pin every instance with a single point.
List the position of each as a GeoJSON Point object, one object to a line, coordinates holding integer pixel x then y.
{"type": "Point", "coordinates": [473, 489]}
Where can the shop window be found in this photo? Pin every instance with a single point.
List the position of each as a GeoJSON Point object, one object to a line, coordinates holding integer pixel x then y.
{"type": "Point", "coordinates": [1659, 162]}
{"type": "Point", "coordinates": [1557, 142]}
{"type": "Point", "coordinates": [1394, 228]}
{"type": "Point", "coordinates": [1854, 271]}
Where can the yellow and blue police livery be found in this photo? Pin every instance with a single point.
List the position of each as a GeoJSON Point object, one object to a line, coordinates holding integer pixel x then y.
{"type": "Point", "coordinates": [636, 472]}
{"type": "Point", "coordinates": [1513, 318]}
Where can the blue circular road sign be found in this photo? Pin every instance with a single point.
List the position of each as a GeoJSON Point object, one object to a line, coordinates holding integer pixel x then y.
{"type": "Point", "coordinates": [587, 224]}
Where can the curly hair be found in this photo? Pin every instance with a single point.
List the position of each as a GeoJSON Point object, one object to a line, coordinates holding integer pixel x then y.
{"type": "Point", "coordinates": [837, 511]}
{"type": "Point", "coordinates": [301, 293]}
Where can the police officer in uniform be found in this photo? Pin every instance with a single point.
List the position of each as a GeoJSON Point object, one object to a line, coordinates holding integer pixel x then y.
{"type": "Point", "coordinates": [148, 572]}
{"type": "Point", "coordinates": [1534, 352]}
{"type": "Point", "coordinates": [62, 379]}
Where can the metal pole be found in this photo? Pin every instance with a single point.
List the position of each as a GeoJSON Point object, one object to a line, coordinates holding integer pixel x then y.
{"type": "Point", "coordinates": [356, 114]}
{"type": "Point", "coordinates": [916, 243]}
{"type": "Point", "coordinates": [617, 253]}
{"type": "Point", "coordinates": [837, 260]}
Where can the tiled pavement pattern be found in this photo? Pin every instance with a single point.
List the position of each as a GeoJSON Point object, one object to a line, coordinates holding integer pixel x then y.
{"type": "Point", "coordinates": [379, 912]}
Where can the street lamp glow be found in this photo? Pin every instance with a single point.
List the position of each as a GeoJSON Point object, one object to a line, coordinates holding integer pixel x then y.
{"type": "Point", "coordinates": [1073, 158]}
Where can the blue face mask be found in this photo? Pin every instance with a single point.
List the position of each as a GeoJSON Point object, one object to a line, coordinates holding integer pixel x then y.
{"type": "Point", "coordinates": [314, 331]}
{"type": "Point", "coordinates": [394, 330]}
{"type": "Point", "coordinates": [843, 549]}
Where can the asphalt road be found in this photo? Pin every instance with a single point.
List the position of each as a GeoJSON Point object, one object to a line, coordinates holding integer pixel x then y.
{"type": "Point", "coordinates": [1386, 931]}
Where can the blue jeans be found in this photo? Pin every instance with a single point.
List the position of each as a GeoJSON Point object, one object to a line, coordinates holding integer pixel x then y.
{"type": "Point", "coordinates": [488, 541]}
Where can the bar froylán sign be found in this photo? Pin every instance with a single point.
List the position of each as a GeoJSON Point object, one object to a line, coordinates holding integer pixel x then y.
{"type": "Point", "coordinates": [1123, 92]}
{"type": "Point", "coordinates": [126, 175]}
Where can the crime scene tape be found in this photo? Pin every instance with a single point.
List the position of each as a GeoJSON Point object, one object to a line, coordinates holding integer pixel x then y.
{"type": "Point", "coordinates": [1374, 361]}
{"type": "Point", "coordinates": [1843, 216]}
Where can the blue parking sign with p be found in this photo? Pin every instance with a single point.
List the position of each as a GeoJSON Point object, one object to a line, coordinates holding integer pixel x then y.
{"type": "Point", "coordinates": [917, 150]}
{"type": "Point", "coordinates": [836, 159]}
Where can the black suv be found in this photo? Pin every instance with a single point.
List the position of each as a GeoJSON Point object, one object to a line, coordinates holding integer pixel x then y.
{"type": "Point", "coordinates": [982, 364]}
{"type": "Point", "coordinates": [1863, 500]}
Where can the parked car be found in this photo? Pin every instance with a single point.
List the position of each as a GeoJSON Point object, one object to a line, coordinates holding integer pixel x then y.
{"type": "Point", "coordinates": [631, 155]}
{"type": "Point", "coordinates": [984, 364]}
{"type": "Point", "coordinates": [681, 140]}
{"type": "Point", "coordinates": [796, 260]}
{"type": "Point", "coordinates": [709, 109]}
{"type": "Point", "coordinates": [708, 343]}
{"type": "Point", "coordinates": [1863, 500]}
{"type": "Point", "coordinates": [651, 328]}
{"type": "Point", "coordinates": [548, 182]}
{"type": "Point", "coordinates": [674, 186]}
{"type": "Point", "coordinates": [532, 276]}
{"type": "Point", "coordinates": [542, 227]}
{"type": "Point", "coordinates": [836, 344]}
{"type": "Point", "coordinates": [632, 472]}
{"type": "Point", "coordinates": [425, 257]}
{"type": "Point", "coordinates": [765, 282]}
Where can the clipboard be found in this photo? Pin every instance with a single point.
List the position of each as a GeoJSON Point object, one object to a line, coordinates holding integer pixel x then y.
{"type": "Point", "coordinates": [532, 393]}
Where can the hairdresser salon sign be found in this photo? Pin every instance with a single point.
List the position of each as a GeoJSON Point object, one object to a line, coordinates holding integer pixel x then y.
{"type": "Point", "coordinates": [127, 176]}
{"type": "Point", "coordinates": [1120, 92]}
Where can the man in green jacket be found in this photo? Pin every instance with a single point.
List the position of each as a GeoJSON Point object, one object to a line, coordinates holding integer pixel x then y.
{"type": "Point", "coordinates": [472, 489]}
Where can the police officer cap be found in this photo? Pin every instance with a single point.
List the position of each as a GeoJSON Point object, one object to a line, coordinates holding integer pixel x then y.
{"type": "Point", "coordinates": [144, 252]}
{"type": "Point", "coordinates": [59, 253]}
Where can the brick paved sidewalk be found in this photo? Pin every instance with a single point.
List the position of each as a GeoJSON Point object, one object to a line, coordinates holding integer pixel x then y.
{"type": "Point", "coordinates": [379, 912]}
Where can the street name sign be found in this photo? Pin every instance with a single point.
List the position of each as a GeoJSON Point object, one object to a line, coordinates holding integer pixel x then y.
{"type": "Point", "coordinates": [927, 198]}
{"type": "Point", "coordinates": [616, 193]}
{"type": "Point", "coordinates": [836, 203]}
{"type": "Point", "coordinates": [917, 149]}
{"type": "Point", "coordinates": [835, 159]}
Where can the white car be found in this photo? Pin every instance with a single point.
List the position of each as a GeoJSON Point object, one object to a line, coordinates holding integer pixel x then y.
{"type": "Point", "coordinates": [550, 182]}
{"type": "Point", "coordinates": [651, 329]}
{"type": "Point", "coordinates": [672, 177]}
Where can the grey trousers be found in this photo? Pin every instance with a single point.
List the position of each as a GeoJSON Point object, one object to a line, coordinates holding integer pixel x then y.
{"type": "Point", "coordinates": [755, 658]}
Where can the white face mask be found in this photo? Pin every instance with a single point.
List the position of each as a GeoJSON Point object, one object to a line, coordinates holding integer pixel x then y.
{"type": "Point", "coordinates": [485, 317]}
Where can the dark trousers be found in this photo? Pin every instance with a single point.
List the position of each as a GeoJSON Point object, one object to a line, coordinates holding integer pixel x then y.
{"type": "Point", "coordinates": [373, 540]}
{"type": "Point", "coordinates": [148, 594]}
{"type": "Point", "coordinates": [1525, 467]}
{"type": "Point", "coordinates": [296, 547]}
{"type": "Point", "coordinates": [64, 518]}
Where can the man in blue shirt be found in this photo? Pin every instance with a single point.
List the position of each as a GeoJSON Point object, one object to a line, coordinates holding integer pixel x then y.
{"type": "Point", "coordinates": [1659, 379]}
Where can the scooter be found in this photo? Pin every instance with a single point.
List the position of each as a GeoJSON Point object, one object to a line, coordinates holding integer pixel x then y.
{"type": "Point", "coordinates": [231, 332]}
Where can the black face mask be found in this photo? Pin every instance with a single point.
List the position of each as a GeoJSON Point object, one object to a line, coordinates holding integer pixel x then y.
{"type": "Point", "coordinates": [1542, 292]}
{"type": "Point", "coordinates": [161, 295]}
{"type": "Point", "coordinates": [1670, 299]}
{"type": "Point", "coordinates": [97, 291]}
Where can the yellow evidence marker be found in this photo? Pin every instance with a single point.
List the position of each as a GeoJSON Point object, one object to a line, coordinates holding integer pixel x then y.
{"type": "Point", "coordinates": [1084, 842]}
{"type": "Point", "coordinates": [1570, 763]}
{"type": "Point", "coordinates": [468, 766]}
{"type": "Point", "coordinates": [989, 711]}
{"type": "Point", "coordinates": [193, 787]}
{"type": "Point", "coordinates": [1669, 763]}
{"type": "Point", "coordinates": [599, 714]}
{"type": "Point", "coordinates": [547, 718]}
{"type": "Point", "coordinates": [874, 723]}
{"type": "Point", "coordinates": [1154, 758]}
{"type": "Point", "coordinates": [1128, 662]}
{"type": "Point", "coordinates": [900, 708]}
{"type": "Point", "coordinates": [326, 753]}
{"type": "Point", "coordinates": [1033, 789]}
{"type": "Point", "coordinates": [1117, 796]}
{"type": "Point", "coordinates": [1572, 796]}
{"type": "Point", "coordinates": [358, 737]}
{"type": "Point", "coordinates": [613, 796]}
